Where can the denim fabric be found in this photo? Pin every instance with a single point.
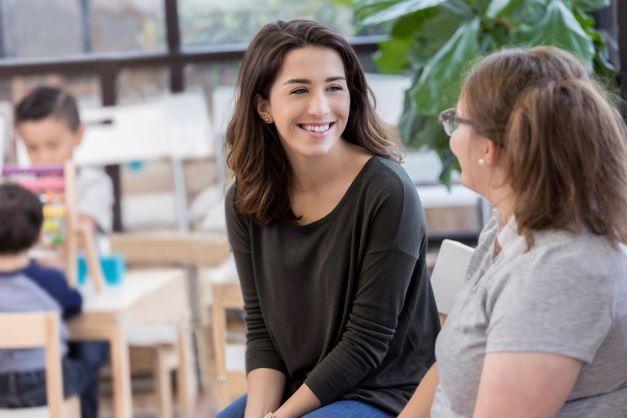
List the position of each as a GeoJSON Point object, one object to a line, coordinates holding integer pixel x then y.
{"type": "Point", "coordinates": [344, 409]}
{"type": "Point", "coordinates": [81, 370]}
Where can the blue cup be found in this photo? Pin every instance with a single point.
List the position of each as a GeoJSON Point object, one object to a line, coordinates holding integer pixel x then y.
{"type": "Point", "coordinates": [113, 268]}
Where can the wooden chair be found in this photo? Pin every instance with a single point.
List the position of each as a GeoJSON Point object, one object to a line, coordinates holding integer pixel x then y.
{"type": "Point", "coordinates": [449, 274]}
{"type": "Point", "coordinates": [229, 365]}
{"type": "Point", "coordinates": [33, 330]}
{"type": "Point", "coordinates": [155, 349]}
{"type": "Point", "coordinates": [159, 350]}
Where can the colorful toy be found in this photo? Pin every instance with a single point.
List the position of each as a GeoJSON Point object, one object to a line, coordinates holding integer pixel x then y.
{"type": "Point", "coordinates": [56, 188]}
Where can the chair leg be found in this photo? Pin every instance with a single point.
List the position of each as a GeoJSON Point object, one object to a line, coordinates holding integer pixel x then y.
{"type": "Point", "coordinates": [163, 384]}
{"type": "Point", "coordinates": [185, 373]}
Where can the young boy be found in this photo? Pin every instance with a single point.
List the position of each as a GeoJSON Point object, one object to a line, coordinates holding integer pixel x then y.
{"type": "Point", "coordinates": [27, 287]}
{"type": "Point", "coordinates": [47, 119]}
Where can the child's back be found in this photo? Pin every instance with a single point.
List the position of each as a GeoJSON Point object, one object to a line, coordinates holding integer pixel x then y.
{"type": "Point", "coordinates": [35, 289]}
{"type": "Point", "coordinates": [28, 287]}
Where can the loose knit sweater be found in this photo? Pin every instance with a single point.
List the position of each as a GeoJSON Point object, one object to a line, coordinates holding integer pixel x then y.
{"type": "Point", "coordinates": [342, 304]}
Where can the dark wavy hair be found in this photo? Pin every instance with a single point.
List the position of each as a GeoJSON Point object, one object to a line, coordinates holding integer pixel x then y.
{"type": "Point", "coordinates": [254, 152]}
{"type": "Point", "coordinates": [21, 217]}
{"type": "Point", "coordinates": [566, 144]}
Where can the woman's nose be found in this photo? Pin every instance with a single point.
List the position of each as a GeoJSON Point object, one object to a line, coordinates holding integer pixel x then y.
{"type": "Point", "coordinates": [318, 105]}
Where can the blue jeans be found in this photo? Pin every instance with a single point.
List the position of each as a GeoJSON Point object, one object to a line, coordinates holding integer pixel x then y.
{"type": "Point", "coordinates": [81, 369]}
{"type": "Point", "coordinates": [344, 409]}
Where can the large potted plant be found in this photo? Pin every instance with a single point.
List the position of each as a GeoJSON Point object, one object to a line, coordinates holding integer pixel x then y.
{"type": "Point", "coordinates": [435, 42]}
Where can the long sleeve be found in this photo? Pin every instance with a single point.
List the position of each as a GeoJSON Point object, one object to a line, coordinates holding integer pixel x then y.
{"type": "Point", "coordinates": [56, 285]}
{"type": "Point", "coordinates": [396, 236]}
{"type": "Point", "coordinates": [260, 350]}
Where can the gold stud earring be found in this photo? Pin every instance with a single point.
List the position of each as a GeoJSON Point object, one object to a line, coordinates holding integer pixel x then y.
{"type": "Point", "coordinates": [267, 119]}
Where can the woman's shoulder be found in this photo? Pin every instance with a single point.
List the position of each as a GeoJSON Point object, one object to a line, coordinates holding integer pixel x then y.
{"type": "Point", "coordinates": [579, 262]}
{"type": "Point", "coordinates": [388, 176]}
{"type": "Point", "coordinates": [230, 205]}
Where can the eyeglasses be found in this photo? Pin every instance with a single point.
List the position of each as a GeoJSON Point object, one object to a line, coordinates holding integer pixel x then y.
{"type": "Point", "coordinates": [450, 122]}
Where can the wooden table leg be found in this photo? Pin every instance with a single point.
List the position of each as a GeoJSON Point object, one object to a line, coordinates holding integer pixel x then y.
{"type": "Point", "coordinates": [121, 372]}
{"type": "Point", "coordinates": [186, 376]}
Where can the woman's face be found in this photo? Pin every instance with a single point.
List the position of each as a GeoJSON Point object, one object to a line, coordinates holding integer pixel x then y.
{"type": "Point", "coordinates": [309, 101]}
{"type": "Point", "coordinates": [469, 149]}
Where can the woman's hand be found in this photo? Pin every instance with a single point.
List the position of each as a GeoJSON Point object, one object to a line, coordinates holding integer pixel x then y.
{"type": "Point", "coordinates": [530, 385]}
{"type": "Point", "coordinates": [300, 403]}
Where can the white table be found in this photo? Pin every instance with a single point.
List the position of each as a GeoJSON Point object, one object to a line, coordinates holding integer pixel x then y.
{"type": "Point", "coordinates": [145, 297]}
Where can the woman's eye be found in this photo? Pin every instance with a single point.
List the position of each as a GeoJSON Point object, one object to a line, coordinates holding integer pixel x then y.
{"type": "Point", "coordinates": [335, 88]}
{"type": "Point", "coordinates": [299, 91]}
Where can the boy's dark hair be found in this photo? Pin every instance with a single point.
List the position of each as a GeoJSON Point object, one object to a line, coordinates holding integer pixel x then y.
{"type": "Point", "coordinates": [21, 217]}
{"type": "Point", "coordinates": [47, 101]}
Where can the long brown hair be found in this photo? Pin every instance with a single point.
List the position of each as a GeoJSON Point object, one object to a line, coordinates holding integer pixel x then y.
{"type": "Point", "coordinates": [565, 142]}
{"type": "Point", "coordinates": [254, 152]}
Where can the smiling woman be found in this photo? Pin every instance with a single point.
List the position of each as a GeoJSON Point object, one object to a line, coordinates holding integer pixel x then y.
{"type": "Point", "coordinates": [328, 235]}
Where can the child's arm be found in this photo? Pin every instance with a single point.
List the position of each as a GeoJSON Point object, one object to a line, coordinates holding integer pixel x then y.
{"type": "Point", "coordinates": [55, 283]}
{"type": "Point", "coordinates": [88, 222]}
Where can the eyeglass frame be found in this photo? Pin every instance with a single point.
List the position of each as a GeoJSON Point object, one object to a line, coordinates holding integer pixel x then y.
{"type": "Point", "coordinates": [448, 117]}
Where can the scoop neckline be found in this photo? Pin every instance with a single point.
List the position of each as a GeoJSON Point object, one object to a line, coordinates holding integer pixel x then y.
{"type": "Point", "coordinates": [341, 203]}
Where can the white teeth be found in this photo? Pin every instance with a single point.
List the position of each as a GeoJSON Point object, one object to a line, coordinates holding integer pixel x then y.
{"type": "Point", "coordinates": [316, 128]}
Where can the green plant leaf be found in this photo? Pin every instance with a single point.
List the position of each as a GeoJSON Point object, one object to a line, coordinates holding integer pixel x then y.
{"type": "Point", "coordinates": [591, 5]}
{"type": "Point", "coordinates": [342, 2]}
{"type": "Point", "coordinates": [459, 8]}
{"type": "Point", "coordinates": [479, 6]}
{"type": "Point", "coordinates": [438, 40]}
{"type": "Point", "coordinates": [434, 34]}
{"type": "Point", "coordinates": [398, 9]}
{"type": "Point", "coordinates": [500, 8]}
{"type": "Point", "coordinates": [393, 55]}
{"type": "Point", "coordinates": [410, 23]}
{"type": "Point", "coordinates": [560, 28]}
{"type": "Point", "coordinates": [443, 73]}
{"type": "Point", "coordinates": [363, 9]}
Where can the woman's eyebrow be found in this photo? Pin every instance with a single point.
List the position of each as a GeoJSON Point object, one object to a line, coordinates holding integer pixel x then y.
{"type": "Point", "coordinates": [305, 81]}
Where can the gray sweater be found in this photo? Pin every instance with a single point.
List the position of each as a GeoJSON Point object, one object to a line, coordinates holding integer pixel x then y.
{"type": "Point", "coordinates": [343, 304]}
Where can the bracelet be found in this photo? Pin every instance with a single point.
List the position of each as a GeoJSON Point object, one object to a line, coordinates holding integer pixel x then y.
{"type": "Point", "coordinates": [271, 415]}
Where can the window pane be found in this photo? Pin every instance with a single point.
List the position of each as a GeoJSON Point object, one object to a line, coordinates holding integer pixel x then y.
{"type": "Point", "coordinates": [127, 25]}
{"type": "Point", "coordinates": [211, 22]}
{"type": "Point", "coordinates": [85, 87]}
{"type": "Point", "coordinates": [217, 81]}
{"type": "Point", "coordinates": [142, 84]}
{"type": "Point", "coordinates": [40, 28]}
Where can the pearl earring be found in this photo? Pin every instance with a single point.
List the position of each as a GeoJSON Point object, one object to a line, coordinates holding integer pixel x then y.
{"type": "Point", "coordinates": [481, 162]}
{"type": "Point", "coordinates": [267, 119]}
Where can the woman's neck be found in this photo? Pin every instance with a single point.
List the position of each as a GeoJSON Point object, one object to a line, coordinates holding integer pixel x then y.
{"type": "Point", "coordinates": [504, 201]}
{"type": "Point", "coordinates": [313, 173]}
{"type": "Point", "coordinates": [12, 262]}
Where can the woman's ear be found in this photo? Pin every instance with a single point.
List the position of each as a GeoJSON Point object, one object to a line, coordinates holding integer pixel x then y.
{"type": "Point", "coordinates": [491, 152]}
{"type": "Point", "coordinates": [263, 107]}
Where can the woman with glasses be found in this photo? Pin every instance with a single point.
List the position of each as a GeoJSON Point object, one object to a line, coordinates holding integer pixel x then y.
{"type": "Point", "coordinates": [540, 327]}
{"type": "Point", "coordinates": [328, 236]}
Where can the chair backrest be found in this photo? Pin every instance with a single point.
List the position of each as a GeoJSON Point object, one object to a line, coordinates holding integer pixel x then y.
{"type": "Point", "coordinates": [449, 273]}
{"type": "Point", "coordinates": [33, 330]}
{"type": "Point", "coordinates": [231, 383]}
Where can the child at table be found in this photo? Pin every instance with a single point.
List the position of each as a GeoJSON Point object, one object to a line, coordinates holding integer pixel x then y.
{"type": "Point", "coordinates": [27, 287]}
{"type": "Point", "coordinates": [48, 122]}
